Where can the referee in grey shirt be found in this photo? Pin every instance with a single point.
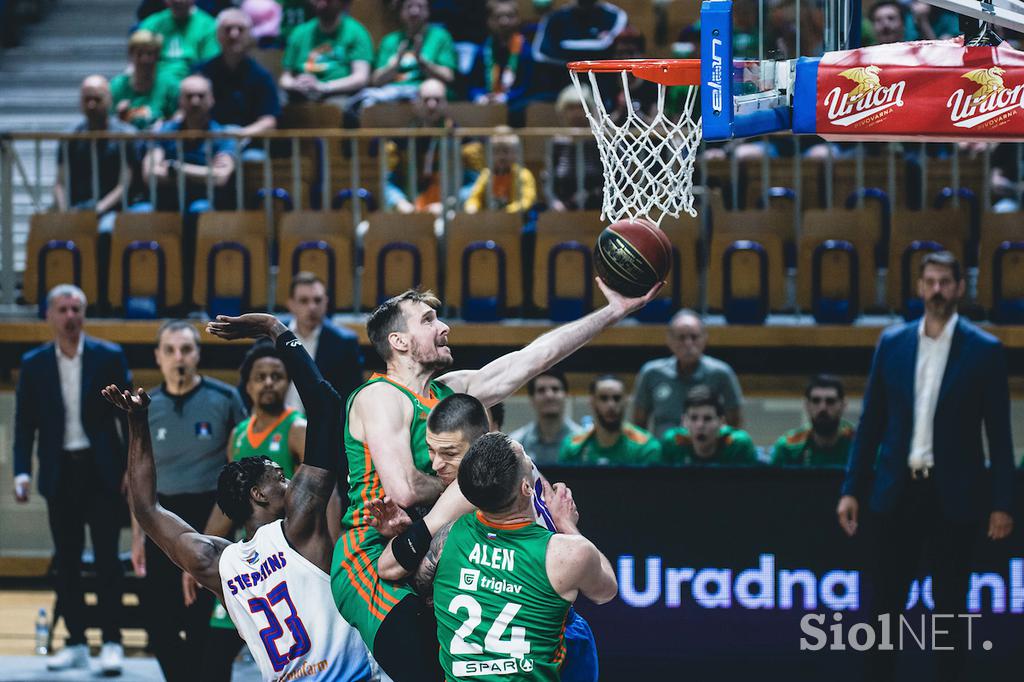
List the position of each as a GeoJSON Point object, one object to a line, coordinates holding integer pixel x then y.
{"type": "Point", "coordinates": [191, 418]}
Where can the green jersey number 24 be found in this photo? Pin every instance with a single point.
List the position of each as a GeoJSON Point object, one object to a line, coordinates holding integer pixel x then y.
{"type": "Point", "coordinates": [515, 646]}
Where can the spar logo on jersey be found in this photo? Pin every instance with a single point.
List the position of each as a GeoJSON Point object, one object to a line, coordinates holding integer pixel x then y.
{"type": "Point", "coordinates": [867, 99]}
{"type": "Point", "coordinates": [500, 666]}
{"type": "Point", "coordinates": [989, 101]}
{"type": "Point", "coordinates": [469, 579]}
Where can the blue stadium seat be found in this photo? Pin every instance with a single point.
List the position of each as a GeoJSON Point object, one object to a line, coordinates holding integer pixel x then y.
{"type": "Point", "coordinates": [835, 306]}
{"type": "Point", "coordinates": [750, 306]}
{"type": "Point", "coordinates": [483, 253]}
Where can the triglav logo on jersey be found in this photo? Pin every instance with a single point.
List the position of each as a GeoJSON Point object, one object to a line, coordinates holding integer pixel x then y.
{"type": "Point", "coordinates": [869, 99]}
{"type": "Point", "coordinates": [990, 103]}
{"type": "Point", "coordinates": [469, 578]}
{"type": "Point", "coordinates": [252, 558]}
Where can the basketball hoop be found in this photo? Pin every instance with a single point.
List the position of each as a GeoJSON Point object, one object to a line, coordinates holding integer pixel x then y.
{"type": "Point", "coordinates": [648, 165]}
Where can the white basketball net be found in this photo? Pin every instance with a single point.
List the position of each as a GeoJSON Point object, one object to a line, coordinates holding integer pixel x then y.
{"type": "Point", "coordinates": [648, 166]}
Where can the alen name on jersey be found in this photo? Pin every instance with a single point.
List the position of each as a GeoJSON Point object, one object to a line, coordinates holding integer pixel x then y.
{"type": "Point", "coordinates": [270, 565]}
{"type": "Point", "coordinates": [493, 557]}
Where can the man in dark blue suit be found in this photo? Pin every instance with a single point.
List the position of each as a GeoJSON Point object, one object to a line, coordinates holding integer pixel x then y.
{"type": "Point", "coordinates": [335, 349]}
{"type": "Point", "coordinates": [934, 385]}
{"type": "Point", "coordinates": [81, 465]}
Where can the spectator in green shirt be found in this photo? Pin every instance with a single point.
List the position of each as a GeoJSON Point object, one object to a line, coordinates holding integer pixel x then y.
{"type": "Point", "coordinates": [826, 440]}
{"type": "Point", "coordinates": [407, 57]}
{"type": "Point", "coordinates": [610, 440]}
{"type": "Point", "coordinates": [189, 33]}
{"type": "Point", "coordinates": [144, 95]}
{"type": "Point", "coordinates": [327, 57]}
{"type": "Point", "coordinates": [704, 437]}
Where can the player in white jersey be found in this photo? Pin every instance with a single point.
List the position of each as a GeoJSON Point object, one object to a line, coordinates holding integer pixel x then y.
{"type": "Point", "coordinates": [275, 584]}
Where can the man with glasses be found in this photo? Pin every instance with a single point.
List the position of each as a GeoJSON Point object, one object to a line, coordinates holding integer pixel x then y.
{"type": "Point", "coordinates": [825, 439]}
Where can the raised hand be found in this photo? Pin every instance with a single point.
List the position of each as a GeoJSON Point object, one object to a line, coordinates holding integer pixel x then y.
{"type": "Point", "coordinates": [387, 517]}
{"type": "Point", "coordinates": [247, 326]}
{"type": "Point", "coordinates": [623, 304]}
{"type": "Point", "coordinates": [126, 400]}
{"type": "Point", "coordinates": [558, 498]}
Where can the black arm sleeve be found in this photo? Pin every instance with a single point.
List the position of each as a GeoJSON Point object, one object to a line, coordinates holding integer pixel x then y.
{"type": "Point", "coordinates": [322, 403]}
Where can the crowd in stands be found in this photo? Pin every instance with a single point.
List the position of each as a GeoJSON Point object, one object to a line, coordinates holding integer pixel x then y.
{"type": "Point", "coordinates": [189, 70]}
{"type": "Point", "coordinates": [482, 52]}
{"type": "Point", "coordinates": [686, 411]}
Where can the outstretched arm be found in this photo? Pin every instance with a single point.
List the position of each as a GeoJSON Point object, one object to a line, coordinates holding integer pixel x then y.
{"type": "Point", "coordinates": [305, 523]}
{"type": "Point", "coordinates": [193, 552]}
{"type": "Point", "coordinates": [501, 378]}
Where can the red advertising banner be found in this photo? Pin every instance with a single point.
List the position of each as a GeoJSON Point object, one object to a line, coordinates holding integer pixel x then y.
{"type": "Point", "coordinates": [927, 89]}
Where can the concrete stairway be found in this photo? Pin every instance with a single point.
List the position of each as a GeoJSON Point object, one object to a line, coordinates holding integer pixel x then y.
{"type": "Point", "coordinates": [39, 82]}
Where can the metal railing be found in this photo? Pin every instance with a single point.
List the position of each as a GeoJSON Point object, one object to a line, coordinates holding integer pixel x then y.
{"type": "Point", "coordinates": [311, 166]}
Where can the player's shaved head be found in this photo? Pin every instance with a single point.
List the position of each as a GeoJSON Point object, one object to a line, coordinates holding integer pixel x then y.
{"type": "Point", "coordinates": [492, 472]}
{"type": "Point", "coordinates": [459, 413]}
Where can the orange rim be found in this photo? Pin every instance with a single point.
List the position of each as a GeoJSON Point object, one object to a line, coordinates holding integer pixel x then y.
{"type": "Point", "coordinates": [662, 71]}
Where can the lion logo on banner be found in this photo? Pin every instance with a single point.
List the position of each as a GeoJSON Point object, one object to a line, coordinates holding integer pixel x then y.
{"type": "Point", "coordinates": [990, 80]}
{"type": "Point", "coordinates": [866, 78]}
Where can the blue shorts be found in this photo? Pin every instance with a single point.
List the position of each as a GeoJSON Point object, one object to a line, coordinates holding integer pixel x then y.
{"type": "Point", "coordinates": [580, 650]}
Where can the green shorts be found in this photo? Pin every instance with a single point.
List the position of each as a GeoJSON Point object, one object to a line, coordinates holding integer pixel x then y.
{"type": "Point", "coordinates": [363, 598]}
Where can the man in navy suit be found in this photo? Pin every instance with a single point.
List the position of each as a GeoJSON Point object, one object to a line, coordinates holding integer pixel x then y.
{"type": "Point", "coordinates": [81, 465]}
{"type": "Point", "coordinates": [934, 385]}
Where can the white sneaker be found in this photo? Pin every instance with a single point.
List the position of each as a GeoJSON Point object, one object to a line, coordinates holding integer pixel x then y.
{"type": "Point", "coordinates": [74, 656]}
{"type": "Point", "coordinates": [111, 658]}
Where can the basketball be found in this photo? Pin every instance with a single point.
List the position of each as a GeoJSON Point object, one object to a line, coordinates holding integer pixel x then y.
{"type": "Point", "coordinates": [631, 255]}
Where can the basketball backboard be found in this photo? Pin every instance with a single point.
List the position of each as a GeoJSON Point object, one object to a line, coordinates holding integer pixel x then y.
{"type": "Point", "coordinates": [943, 89]}
{"type": "Point", "coordinates": [748, 54]}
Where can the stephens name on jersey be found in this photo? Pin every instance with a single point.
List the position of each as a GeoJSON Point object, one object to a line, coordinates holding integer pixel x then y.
{"type": "Point", "coordinates": [283, 609]}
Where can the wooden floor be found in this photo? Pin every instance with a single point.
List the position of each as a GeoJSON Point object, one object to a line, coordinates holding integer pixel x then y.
{"type": "Point", "coordinates": [17, 626]}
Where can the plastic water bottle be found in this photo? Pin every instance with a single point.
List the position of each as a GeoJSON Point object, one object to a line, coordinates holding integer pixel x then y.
{"type": "Point", "coordinates": [42, 633]}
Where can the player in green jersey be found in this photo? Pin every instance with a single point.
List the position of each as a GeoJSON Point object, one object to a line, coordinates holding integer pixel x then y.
{"type": "Point", "coordinates": [273, 430]}
{"type": "Point", "coordinates": [705, 438]}
{"type": "Point", "coordinates": [826, 440]}
{"type": "Point", "coordinates": [610, 440]}
{"type": "Point", "coordinates": [504, 585]}
{"type": "Point", "coordinates": [453, 426]}
{"type": "Point", "coordinates": [387, 455]}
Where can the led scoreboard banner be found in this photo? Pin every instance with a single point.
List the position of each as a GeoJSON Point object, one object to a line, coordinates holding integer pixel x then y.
{"type": "Point", "coordinates": [737, 574]}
